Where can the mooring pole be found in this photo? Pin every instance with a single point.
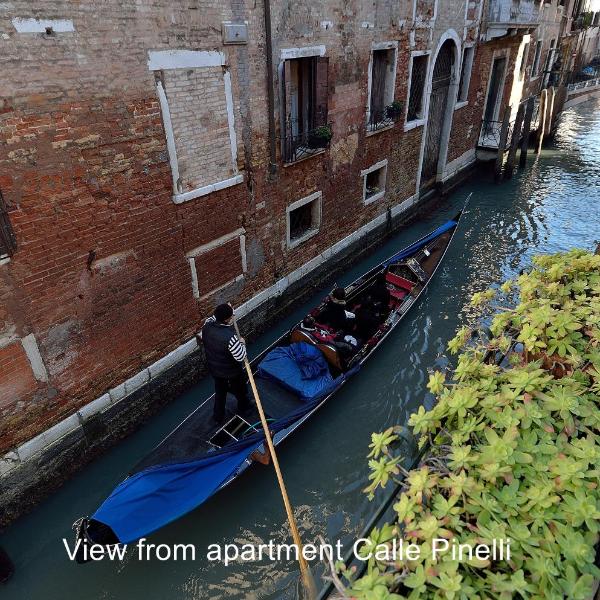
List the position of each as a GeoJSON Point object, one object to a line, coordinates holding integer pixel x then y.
{"type": "Point", "coordinates": [502, 145]}
{"type": "Point", "coordinates": [526, 131]}
{"type": "Point", "coordinates": [307, 578]}
{"type": "Point", "coordinates": [542, 120]}
{"type": "Point", "coordinates": [514, 142]}
{"type": "Point", "coordinates": [552, 94]}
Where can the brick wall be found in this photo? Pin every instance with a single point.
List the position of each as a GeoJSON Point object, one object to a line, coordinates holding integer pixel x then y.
{"type": "Point", "coordinates": [198, 113]}
{"type": "Point", "coordinates": [16, 378]}
{"type": "Point", "coordinates": [102, 275]}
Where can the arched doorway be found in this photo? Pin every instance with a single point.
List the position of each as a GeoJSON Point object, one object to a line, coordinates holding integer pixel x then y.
{"type": "Point", "coordinates": [438, 112]}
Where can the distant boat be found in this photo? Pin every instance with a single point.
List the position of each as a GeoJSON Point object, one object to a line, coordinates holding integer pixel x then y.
{"type": "Point", "coordinates": [295, 376]}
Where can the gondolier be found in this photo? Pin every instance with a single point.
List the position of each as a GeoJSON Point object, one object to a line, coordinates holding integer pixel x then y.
{"type": "Point", "coordinates": [225, 355]}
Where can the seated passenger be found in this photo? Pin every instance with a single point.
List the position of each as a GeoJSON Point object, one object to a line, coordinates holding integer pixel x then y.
{"type": "Point", "coordinates": [379, 292]}
{"type": "Point", "coordinates": [335, 314]}
{"type": "Point", "coordinates": [368, 318]}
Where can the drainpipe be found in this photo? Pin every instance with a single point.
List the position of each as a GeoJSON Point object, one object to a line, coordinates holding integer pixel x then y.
{"type": "Point", "coordinates": [270, 92]}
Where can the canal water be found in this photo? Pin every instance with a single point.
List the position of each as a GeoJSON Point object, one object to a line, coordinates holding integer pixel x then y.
{"type": "Point", "coordinates": [552, 205]}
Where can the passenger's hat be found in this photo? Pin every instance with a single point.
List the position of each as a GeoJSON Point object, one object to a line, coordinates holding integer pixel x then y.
{"type": "Point", "coordinates": [223, 312]}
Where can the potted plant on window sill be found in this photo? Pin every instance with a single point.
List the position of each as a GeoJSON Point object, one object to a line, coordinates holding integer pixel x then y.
{"type": "Point", "coordinates": [393, 111]}
{"type": "Point", "coordinates": [320, 137]}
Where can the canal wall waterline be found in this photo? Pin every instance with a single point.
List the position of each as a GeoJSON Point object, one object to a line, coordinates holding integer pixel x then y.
{"type": "Point", "coordinates": [41, 465]}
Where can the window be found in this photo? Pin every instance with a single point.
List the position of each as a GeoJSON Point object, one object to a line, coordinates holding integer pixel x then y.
{"type": "Point", "coordinates": [305, 91]}
{"type": "Point", "coordinates": [374, 182]}
{"type": "Point", "coordinates": [381, 86]}
{"type": "Point", "coordinates": [524, 57]}
{"type": "Point", "coordinates": [535, 68]}
{"type": "Point", "coordinates": [417, 86]}
{"type": "Point", "coordinates": [465, 74]}
{"type": "Point", "coordinates": [303, 219]}
{"type": "Point", "coordinates": [8, 243]}
{"type": "Point", "coordinates": [195, 94]}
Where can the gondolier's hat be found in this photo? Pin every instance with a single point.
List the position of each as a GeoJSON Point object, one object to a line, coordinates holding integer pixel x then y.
{"type": "Point", "coordinates": [223, 312]}
{"type": "Point", "coordinates": [339, 296]}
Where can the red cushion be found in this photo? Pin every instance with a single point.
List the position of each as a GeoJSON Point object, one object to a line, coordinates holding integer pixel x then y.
{"type": "Point", "coordinates": [399, 281]}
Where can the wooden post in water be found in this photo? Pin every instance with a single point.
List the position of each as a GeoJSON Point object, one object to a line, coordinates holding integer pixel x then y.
{"type": "Point", "coordinates": [550, 112]}
{"type": "Point", "coordinates": [307, 579]}
{"type": "Point", "coordinates": [526, 130]}
{"type": "Point", "coordinates": [502, 145]}
{"type": "Point", "coordinates": [514, 142]}
{"type": "Point", "coordinates": [541, 120]}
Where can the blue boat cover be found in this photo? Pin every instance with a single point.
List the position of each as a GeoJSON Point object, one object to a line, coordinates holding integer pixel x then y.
{"type": "Point", "coordinates": [160, 494]}
{"type": "Point", "coordinates": [406, 252]}
{"type": "Point", "coordinates": [300, 368]}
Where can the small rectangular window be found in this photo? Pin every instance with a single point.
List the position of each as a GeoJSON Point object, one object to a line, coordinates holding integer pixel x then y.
{"type": "Point", "coordinates": [524, 57]}
{"type": "Point", "coordinates": [303, 219]}
{"type": "Point", "coordinates": [374, 182]}
{"type": "Point", "coordinates": [8, 242]}
{"type": "Point", "coordinates": [535, 68]}
{"type": "Point", "coordinates": [383, 71]}
{"type": "Point", "coordinates": [305, 93]}
{"type": "Point", "coordinates": [417, 86]}
{"type": "Point", "coordinates": [465, 74]}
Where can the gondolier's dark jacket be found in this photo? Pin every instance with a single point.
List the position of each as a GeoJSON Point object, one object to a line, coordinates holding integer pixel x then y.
{"type": "Point", "coordinates": [217, 339]}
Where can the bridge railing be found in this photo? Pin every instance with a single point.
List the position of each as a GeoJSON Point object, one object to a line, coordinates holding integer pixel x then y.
{"type": "Point", "coordinates": [575, 87]}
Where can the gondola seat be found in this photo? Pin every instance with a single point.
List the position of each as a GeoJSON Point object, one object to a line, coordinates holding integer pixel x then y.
{"type": "Point", "coordinates": [330, 352]}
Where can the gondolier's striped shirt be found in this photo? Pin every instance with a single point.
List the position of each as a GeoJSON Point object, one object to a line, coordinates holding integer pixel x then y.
{"type": "Point", "coordinates": [235, 346]}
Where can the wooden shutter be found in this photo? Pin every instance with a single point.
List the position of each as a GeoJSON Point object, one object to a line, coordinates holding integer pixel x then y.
{"type": "Point", "coordinates": [378, 77]}
{"type": "Point", "coordinates": [321, 90]}
{"type": "Point", "coordinates": [285, 108]}
{"type": "Point", "coordinates": [8, 242]}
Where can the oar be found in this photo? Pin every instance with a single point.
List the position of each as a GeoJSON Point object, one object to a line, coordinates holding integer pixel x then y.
{"type": "Point", "coordinates": [307, 578]}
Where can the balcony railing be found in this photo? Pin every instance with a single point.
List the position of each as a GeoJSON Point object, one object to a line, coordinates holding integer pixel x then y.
{"type": "Point", "coordinates": [383, 118]}
{"type": "Point", "coordinates": [513, 12]}
{"type": "Point", "coordinates": [504, 15]}
{"type": "Point", "coordinates": [298, 143]}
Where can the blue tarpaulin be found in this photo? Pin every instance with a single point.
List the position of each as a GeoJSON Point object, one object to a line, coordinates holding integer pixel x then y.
{"type": "Point", "coordinates": [154, 497]}
{"type": "Point", "coordinates": [420, 243]}
{"type": "Point", "coordinates": [300, 368]}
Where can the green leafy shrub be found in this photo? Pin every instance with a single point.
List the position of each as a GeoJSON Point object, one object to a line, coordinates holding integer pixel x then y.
{"type": "Point", "coordinates": [512, 450]}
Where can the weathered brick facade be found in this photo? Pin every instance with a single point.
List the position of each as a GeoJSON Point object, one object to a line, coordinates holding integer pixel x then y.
{"type": "Point", "coordinates": [134, 161]}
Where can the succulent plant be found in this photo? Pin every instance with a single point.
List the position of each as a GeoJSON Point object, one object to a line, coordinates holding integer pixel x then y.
{"type": "Point", "coordinates": [512, 449]}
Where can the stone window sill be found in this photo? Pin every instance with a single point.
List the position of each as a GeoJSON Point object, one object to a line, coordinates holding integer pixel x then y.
{"type": "Point", "coordinates": [4, 260]}
{"type": "Point", "coordinates": [374, 198]}
{"type": "Point", "coordinates": [461, 104]}
{"type": "Point", "coordinates": [207, 189]}
{"type": "Point", "coordinates": [308, 155]}
{"type": "Point", "coordinates": [306, 236]}
{"type": "Point", "coordinates": [413, 124]}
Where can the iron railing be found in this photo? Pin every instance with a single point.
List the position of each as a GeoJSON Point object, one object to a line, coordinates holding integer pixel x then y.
{"type": "Point", "coordinates": [572, 87]}
{"type": "Point", "coordinates": [490, 134]}
{"type": "Point", "coordinates": [382, 118]}
{"type": "Point", "coordinates": [514, 12]}
{"type": "Point", "coordinates": [299, 142]}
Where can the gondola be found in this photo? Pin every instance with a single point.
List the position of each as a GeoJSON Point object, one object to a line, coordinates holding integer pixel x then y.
{"type": "Point", "coordinates": [295, 376]}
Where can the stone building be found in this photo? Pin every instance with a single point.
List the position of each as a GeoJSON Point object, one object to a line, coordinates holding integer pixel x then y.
{"type": "Point", "coordinates": [157, 158]}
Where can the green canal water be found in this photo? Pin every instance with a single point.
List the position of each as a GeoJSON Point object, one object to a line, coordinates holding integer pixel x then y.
{"type": "Point", "coordinates": [552, 205]}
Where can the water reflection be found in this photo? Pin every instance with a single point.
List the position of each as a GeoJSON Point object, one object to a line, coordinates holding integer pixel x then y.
{"type": "Point", "coordinates": [550, 206]}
